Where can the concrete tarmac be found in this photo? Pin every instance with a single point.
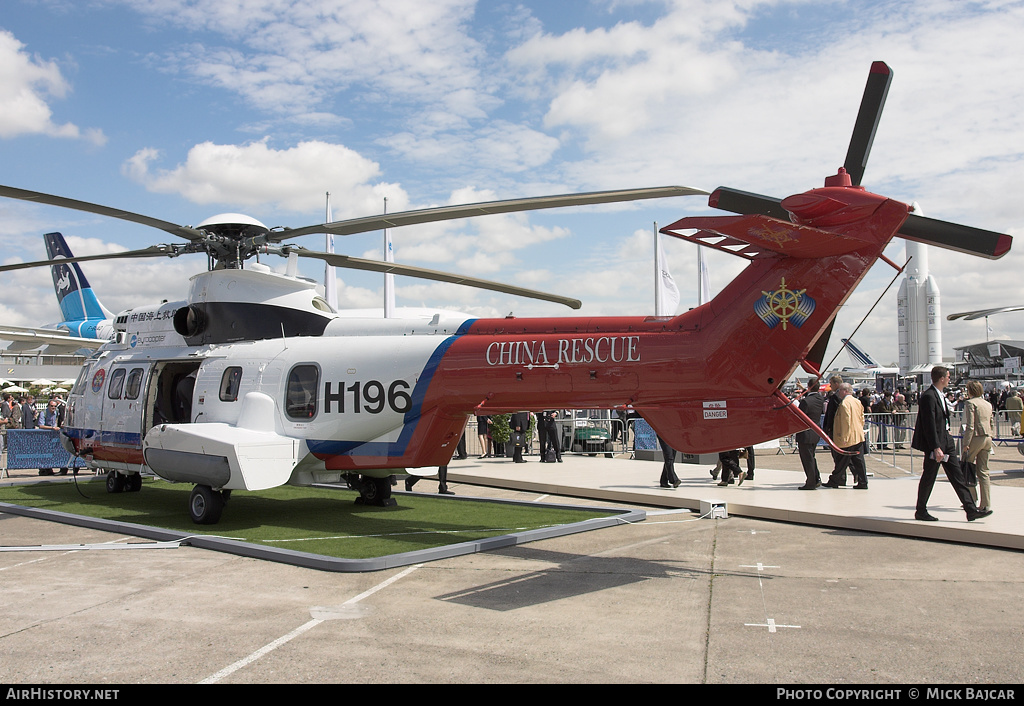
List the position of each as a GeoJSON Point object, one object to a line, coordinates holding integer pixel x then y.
{"type": "Point", "coordinates": [673, 599]}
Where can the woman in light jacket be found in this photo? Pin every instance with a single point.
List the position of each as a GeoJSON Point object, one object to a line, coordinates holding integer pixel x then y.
{"type": "Point", "coordinates": [977, 441]}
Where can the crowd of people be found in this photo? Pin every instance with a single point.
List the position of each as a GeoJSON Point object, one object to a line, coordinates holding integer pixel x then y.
{"type": "Point", "coordinates": [22, 413]}
{"type": "Point", "coordinates": [843, 414]}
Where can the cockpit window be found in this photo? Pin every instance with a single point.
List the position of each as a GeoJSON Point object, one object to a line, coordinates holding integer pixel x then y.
{"type": "Point", "coordinates": [300, 403]}
{"type": "Point", "coordinates": [79, 387]}
{"type": "Point", "coordinates": [230, 381]}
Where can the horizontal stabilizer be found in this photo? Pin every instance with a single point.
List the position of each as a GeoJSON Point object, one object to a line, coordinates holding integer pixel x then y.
{"type": "Point", "coordinates": [756, 236]}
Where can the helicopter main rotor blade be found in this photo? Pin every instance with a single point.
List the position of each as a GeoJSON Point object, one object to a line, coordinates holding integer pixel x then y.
{"type": "Point", "coordinates": [355, 263]}
{"type": "Point", "coordinates": [152, 251]}
{"type": "Point", "coordinates": [49, 199]}
{"type": "Point", "coordinates": [871, 105]}
{"type": "Point", "coordinates": [444, 213]}
{"type": "Point", "coordinates": [982, 313]}
{"type": "Point", "coordinates": [746, 203]}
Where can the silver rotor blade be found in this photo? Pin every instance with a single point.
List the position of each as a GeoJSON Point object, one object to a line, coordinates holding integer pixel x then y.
{"type": "Point", "coordinates": [444, 213]}
{"type": "Point", "coordinates": [355, 263]}
{"type": "Point", "coordinates": [152, 251]}
{"type": "Point", "coordinates": [51, 200]}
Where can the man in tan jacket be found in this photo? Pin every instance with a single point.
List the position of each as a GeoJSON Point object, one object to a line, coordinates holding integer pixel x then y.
{"type": "Point", "coordinates": [848, 434]}
{"type": "Point", "coordinates": [977, 443]}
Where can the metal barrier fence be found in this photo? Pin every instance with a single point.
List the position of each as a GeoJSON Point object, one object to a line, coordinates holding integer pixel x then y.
{"type": "Point", "coordinates": [897, 428]}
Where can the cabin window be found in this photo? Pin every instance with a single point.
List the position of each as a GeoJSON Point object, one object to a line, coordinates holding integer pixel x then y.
{"type": "Point", "coordinates": [116, 385]}
{"type": "Point", "coordinates": [303, 381]}
{"type": "Point", "coordinates": [133, 386]}
{"type": "Point", "coordinates": [230, 381]}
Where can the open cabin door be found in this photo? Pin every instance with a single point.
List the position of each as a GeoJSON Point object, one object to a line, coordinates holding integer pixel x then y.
{"type": "Point", "coordinates": [169, 393]}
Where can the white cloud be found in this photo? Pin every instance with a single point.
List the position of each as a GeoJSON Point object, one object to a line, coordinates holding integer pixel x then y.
{"type": "Point", "coordinates": [498, 146]}
{"type": "Point", "coordinates": [294, 179]}
{"type": "Point", "coordinates": [288, 57]}
{"type": "Point", "coordinates": [26, 85]}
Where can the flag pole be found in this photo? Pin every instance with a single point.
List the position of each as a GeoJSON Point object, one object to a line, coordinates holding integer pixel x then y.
{"type": "Point", "coordinates": [330, 283]}
{"type": "Point", "coordinates": [657, 272]}
{"type": "Point", "coordinates": [389, 279]}
{"type": "Point", "coordinates": [702, 276]}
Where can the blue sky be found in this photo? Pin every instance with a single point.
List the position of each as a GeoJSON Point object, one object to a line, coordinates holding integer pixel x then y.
{"type": "Point", "coordinates": [181, 109]}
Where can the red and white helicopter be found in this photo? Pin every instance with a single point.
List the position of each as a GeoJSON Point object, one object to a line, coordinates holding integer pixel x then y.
{"type": "Point", "coordinates": [255, 382]}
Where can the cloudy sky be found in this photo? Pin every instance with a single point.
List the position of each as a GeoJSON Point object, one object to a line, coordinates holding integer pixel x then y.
{"type": "Point", "coordinates": [181, 109]}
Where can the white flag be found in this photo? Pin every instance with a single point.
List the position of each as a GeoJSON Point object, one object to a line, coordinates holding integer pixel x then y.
{"type": "Point", "coordinates": [667, 299]}
{"type": "Point", "coordinates": [703, 286]}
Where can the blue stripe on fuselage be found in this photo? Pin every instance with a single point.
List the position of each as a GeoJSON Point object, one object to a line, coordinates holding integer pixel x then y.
{"type": "Point", "coordinates": [383, 449]}
{"type": "Point", "coordinates": [104, 438]}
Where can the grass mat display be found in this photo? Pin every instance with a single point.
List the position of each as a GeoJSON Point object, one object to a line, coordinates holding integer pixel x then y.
{"type": "Point", "coordinates": [316, 520]}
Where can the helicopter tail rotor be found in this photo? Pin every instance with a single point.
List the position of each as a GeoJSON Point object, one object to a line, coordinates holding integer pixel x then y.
{"type": "Point", "coordinates": [942, 234]}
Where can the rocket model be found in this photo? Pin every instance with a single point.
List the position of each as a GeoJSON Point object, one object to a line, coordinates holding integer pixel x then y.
{"type": "Point", "coordinates": [919, 312]}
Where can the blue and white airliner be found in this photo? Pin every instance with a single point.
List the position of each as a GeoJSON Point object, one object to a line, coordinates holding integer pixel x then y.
{"type": "Point", "coordinates": [86, 322]}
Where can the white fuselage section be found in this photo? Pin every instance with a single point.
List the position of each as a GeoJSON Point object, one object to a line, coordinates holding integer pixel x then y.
{"type": "Point", "coordinates": [255, 413]}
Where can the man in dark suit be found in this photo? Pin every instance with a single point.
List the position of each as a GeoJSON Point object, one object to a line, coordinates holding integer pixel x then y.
{"type": "Point", "coordinates": [520, 424]}
{"type": "Point", "coordinates": [932, 438]}
{"type": "Point", "coordinates": [812, 404]}
{"type": "Point", "coordinates": [547, 432]}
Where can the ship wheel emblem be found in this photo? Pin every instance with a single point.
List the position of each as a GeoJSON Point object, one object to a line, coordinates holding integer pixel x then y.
{"type": "Point", "coordinates": [784, 306]}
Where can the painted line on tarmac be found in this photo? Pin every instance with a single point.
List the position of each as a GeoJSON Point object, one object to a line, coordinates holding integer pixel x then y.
{"type": "Point", "coordinates": [769, 623]}
{"type": "Point", "coordinates": [231, 669]}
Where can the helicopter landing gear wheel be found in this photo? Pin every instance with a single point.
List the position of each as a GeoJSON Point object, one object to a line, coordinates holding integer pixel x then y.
{"type": "Point", "coordinates": [133, 483]}
{"type": "Point", "coordinates": [375, 491]}
{"type": "Point", "coordinates": [205, 505]}
{"type": "Point", "coordinates": [115, 482]}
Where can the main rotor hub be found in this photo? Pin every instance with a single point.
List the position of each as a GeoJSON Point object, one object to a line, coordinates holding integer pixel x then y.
{"type": "Point", "coordinates": [232, 238]}
{"type": "Point", "coordinates": [233, 225]}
